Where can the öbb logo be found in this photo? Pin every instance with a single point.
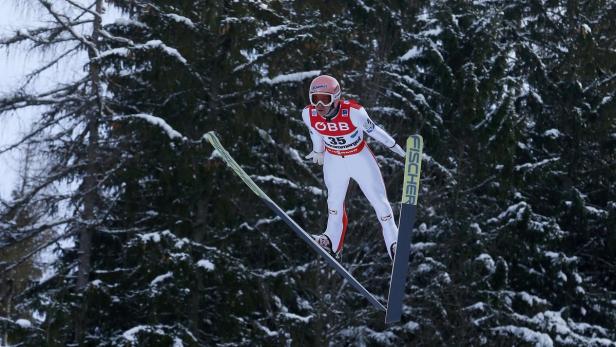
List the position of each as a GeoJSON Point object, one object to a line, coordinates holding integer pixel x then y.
{"type": "Point", "coordinates": [321, 126]}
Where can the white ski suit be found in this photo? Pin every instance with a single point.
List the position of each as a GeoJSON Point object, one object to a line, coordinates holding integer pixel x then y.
{"type": "Point", "coordinates": [347, 156]}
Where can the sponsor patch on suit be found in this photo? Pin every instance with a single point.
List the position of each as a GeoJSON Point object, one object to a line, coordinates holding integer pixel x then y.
{"type": "Point", "coordinates": [369, 126]}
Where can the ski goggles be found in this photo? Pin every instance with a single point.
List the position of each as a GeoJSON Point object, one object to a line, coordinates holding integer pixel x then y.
{"type": "Point", "coordinates": [325, 99]}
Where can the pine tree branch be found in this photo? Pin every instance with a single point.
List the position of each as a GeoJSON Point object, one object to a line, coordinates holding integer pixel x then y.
{"type": "Point", "coordinates": [35, 251]}
{"type": "Point", "coordinates": [69, 27]}
{"type": "Point", "coordinates": [32, 232]}
{"type": "Point", "coordinates": [86, 9]}
{"type": "Point", "coordinates": [20, 100]}
{"type": "Point", "coordinates": [45, 67]}
{"type": "Point", "coordinates": [32, 134]}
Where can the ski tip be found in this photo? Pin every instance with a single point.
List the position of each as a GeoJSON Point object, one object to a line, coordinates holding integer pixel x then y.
{"type": "Point", "coordinates": [414, 141]}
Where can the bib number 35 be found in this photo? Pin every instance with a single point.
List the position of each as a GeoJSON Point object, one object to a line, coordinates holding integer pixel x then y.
{"type": "Point", "coordinates": [337, 140]}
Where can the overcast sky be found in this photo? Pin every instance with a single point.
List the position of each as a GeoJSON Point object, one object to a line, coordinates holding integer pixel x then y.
{"type": "Point", "coordinates": [13, 66]}
{"type": "Point", "coordinates": [15, 63]}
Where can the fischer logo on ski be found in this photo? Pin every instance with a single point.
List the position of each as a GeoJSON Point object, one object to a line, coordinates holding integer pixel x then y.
{"type": "Point", "coordinates": [410, 191]}
{"type": "Point", "coordinates": [412, 170]}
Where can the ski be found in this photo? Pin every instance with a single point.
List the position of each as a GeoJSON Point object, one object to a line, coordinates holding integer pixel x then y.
{"type": "Point", "coordinates": [213, 139]}
{"type": "Point", "coordinates": [410, 191]}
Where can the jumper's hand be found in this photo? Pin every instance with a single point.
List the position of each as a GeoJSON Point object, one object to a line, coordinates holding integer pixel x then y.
{"type": "Point", "coordinates": [316, 157]}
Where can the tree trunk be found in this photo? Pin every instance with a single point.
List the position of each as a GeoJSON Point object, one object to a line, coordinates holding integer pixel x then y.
{"type": "Point", "coordinates": [90, 182]}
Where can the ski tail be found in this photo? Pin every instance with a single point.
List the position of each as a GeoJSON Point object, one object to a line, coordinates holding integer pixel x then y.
{"type": "Point", "coordinates": [408, 212]}
{"type": "Point", "coordinates": [227, 158]}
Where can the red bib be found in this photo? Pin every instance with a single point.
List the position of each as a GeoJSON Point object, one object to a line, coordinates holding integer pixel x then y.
{"type": "Point", "coordinates": [341, 137]}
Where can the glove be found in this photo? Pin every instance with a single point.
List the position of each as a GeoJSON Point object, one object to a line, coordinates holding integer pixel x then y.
{"type": "Point", "coordinates": [398, 150]}
{"type": "Point", "coordinates": [316, 157]}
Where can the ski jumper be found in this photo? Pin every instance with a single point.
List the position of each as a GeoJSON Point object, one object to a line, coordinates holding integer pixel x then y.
{"type": "Point", "coordinates": [347, 156]}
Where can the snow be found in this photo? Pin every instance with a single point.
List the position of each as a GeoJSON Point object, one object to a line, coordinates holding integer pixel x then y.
{"type": "Point", "coordinates": [577, 278]}
{"type": "Point", "coordinates": [177, 342]}
{"type": "Point", "coordinates": [266, 136]}
{"type": "Point", "coordinates": [478, 306]}
{"type": "Point", "coordinates": [292, 77]}
{"type": "Point", "coordinates": [516, 209]}
{"type": "Point", "coordinates": [560, 257]}
{"type": "Point", "coordinates": [129, 22]}
{"type": "Point", "coordinates": [420, 246]}
{"type": "Point", "coordinates": [445, 278]}
{"type": "Point", "coordinates": [487, 260]}
{"type": "Point", "coordinates": [159, 44]}
{"type": "Point", "coordinates": [606, 99]}
{"type": "Point", "coordinates": [179, 256]}
{"type": "Point", "coordinates": [527, 335]}
{"type": "Point", "coordinates": [530, 299]}
{"type": "Point", "coordinates": [181, 242]}
{"type": "Point", "coordinates": [475, 228]}
{"type": "Point", "coordinates": [205, 264]}
{"type": "Point", "coordinates": [24, 323]}
{"type": "Point", "coordinates": [152, 44]}
{"type": "Point", "coordinates": [180, 19]}
{"type": "Point", "coordinates": [567, 332]}
{"type": "Point", "coordinates": [364, 6]}
{"type": "Point", "coordinates": [532, 166]}
{"type": "Point", "coordinates": [411, 53]}
{"type": "Point", "coordinates": [552, 133]}
{"type": "Point", "coordinates": [359, 333]}
{"type": "Point", "coordinates": [215, 155]}
{"type": "Point", "coordinates": [265, 329]}
{"type": "Point", "coordinates": [304, 304]}
{"type": "Point", "coordinates": [423, 268]}
{"type": "Point", "coordinates": [586, 29]}
{"type": "Point", "coordinates": [596, 211]}
{"type": "Point", "coordinates": [161, 278]}
{"type": "Point", "coordinates": [292, 316]}
{"type": "Point", "coordinates": [284, 181]}
{"type": "Point", "coordinates": [271, 30]}
{"type": "Point", "coordinates": [411, 327]}
{"type": "Point", "coordinates": [155, 237]}
{"type": "Point", "coordinates": [172, 133]}
{"type": "Point", "coordinates": [131, 333]}
{"type": "Point", "coordinates": [439, 166]}
{"type": "Point", "coordinates": [432, 32]}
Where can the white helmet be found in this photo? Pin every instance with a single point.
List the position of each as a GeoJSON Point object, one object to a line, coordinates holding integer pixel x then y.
{"type": "Point", "coordinates": [325, 90]}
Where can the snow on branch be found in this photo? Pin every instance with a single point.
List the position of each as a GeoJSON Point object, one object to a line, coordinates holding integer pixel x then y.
{"type": "Point", "coordinates": [283, 181]}
{"type": "Point", "coordinates": [69, 26]}
{"type": "Point", "coordinates": [440, 167]}
{"type": "Point", "coordinates": [532, 166]}
{"type": "Point", "coordinates": [411, 54]}
{"type": "Point", "coordinates": [159, 122]}
{"type": "Point", "coordinates": [525, 334]}
{"type": "Point", "coordinates": [152, 44]}
{"type": "Point", "coordinates": [292, 77]}
{"type": "Point", "coordinates": [180, 19]}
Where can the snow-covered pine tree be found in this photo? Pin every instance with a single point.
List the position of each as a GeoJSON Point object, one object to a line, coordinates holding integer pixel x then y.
{"type": "Point", "coordinates": [509, 249]}
{"type": "Point", "coordinates": [511, 261]}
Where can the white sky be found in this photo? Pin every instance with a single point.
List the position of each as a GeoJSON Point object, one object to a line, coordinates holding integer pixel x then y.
{"type": "Point", "coordinates": [13, 66]}
{"type": "Point", "coordinates": [15, 63]}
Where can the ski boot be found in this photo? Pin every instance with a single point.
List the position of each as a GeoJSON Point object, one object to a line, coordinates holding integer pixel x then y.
{"type": "Point", "coordinates": [392, 250]}
{"type": "Point", "coordinates": [325, 243]}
